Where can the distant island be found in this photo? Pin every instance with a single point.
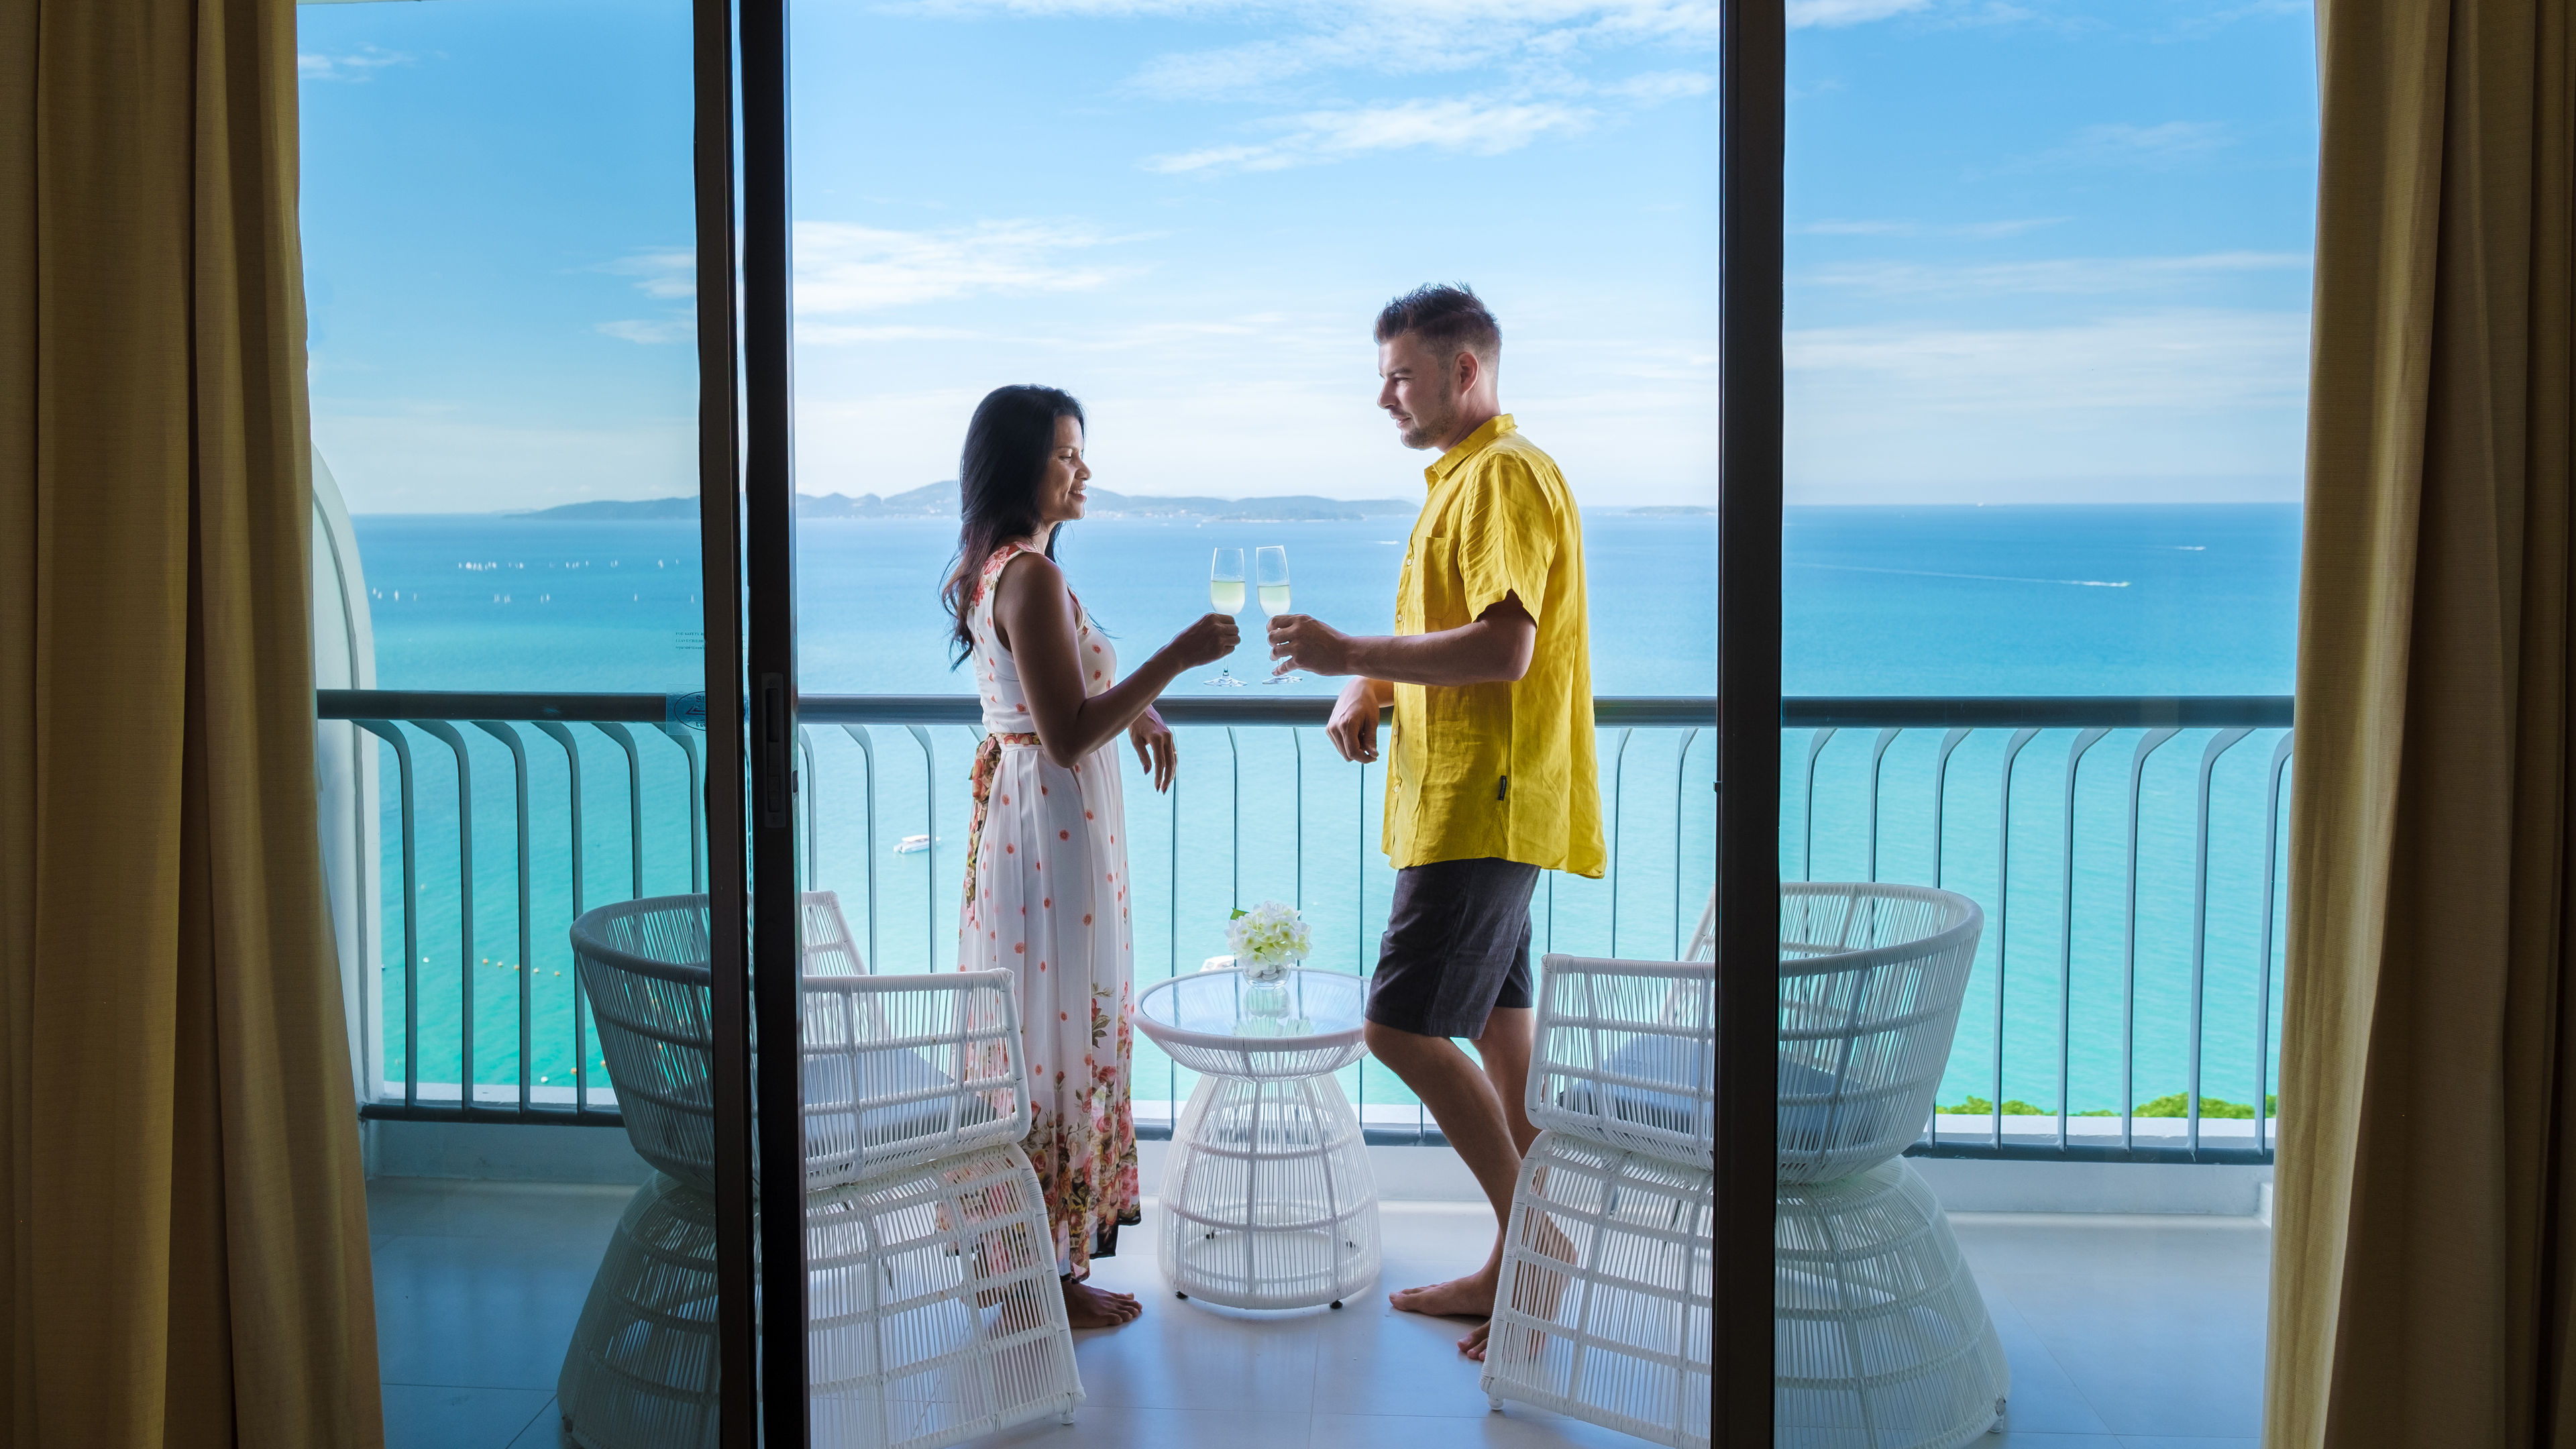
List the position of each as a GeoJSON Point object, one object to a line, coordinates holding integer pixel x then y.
{"type": "Point", "coordinates": [939, 500]}
{"type": "Point", "coordinates": [1670, 510]}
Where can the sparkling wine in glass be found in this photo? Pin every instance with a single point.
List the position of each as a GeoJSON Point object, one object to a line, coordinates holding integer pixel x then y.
{"type": "Point", "coordinates": [1270, 574]}
{"type": "Point", "coordinates": [1225, 595]}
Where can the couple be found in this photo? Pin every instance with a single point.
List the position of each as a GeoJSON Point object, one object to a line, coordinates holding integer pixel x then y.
{"type": "Point", "coordinates": [1490, 776]}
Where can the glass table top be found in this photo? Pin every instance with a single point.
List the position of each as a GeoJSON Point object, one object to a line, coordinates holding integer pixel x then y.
{"type": "Point", "coordinates": [1221, 1005]}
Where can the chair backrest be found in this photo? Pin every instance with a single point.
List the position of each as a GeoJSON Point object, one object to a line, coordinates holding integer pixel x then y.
{"type": "Point", "coordinates": [830, 950]}
{"type": "Point", "coordinates": [1627, 1054]}
{"type": "Point", "coordinates": [896, 1069]}
{"type": "Point", "coordinates": [1871, 977]}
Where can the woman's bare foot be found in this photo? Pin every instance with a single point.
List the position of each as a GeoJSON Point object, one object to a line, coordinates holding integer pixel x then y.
{"type": "Point", "coordinates": [1473, 1345]}
{"type": "Point", "coordinates": [1089, 1307]}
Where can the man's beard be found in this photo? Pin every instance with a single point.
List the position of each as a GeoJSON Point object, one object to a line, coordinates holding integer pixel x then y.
{"type": "Point", "coordinates": [1425, 431]}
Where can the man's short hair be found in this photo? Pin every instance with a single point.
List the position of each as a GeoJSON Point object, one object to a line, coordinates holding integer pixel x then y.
{"type": "Point", "coordinates": [1448, 319]}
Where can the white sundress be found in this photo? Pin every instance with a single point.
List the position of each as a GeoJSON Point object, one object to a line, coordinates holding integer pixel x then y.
{"type": "Point", "coordinates": [1046, 896]}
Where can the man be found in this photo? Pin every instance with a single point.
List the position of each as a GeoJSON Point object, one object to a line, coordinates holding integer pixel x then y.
{"type": "Point", "coordinates": [1490, 777]}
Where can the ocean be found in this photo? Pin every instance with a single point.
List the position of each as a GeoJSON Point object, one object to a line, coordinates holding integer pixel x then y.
{"type": "Point", "coordinates": [1877, 601]}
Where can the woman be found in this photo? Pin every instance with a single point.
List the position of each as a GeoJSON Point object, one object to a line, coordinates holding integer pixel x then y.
{"type": "Point", "coordinates": [1046, 866]}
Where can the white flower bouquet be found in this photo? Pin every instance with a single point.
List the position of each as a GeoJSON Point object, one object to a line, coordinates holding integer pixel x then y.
{"type": "Point", "coordinates": [1268, 939]}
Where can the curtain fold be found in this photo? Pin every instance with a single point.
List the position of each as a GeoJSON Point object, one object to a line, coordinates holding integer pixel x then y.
{"type": "Point", "coordinates": [187, 1255]}
{"type": "Point", "coordinates": [2424, 1271]}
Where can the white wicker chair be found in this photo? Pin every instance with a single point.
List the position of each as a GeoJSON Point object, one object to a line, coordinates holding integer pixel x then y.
{"type": "Point", "coordinates": [1606, 1308]}
{"type": "Point", "coordinates": [931, 1287]}
{"type": "Point", "coordinates": [1881, 1338]}
{"type": "Point", "coordinates": [1871, 977]}
{"type": "Point", "coordinates": [1883, 1341]}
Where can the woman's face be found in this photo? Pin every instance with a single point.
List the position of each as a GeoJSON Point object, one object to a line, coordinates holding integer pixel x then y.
{"type": "Point", "coordinates": [1060, 496]}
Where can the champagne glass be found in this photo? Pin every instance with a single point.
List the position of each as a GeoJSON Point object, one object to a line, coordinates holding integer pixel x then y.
{"type": "Point", "coordinates": [1270, 574]}
{"type": "Point", "coordinates": [1225, 595]}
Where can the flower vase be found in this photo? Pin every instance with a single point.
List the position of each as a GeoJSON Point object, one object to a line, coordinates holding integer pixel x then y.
{"type": "Point", "coordinates": [1265, 988]}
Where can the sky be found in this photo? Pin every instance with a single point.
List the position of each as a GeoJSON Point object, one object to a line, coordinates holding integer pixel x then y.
{"type": "Point", "coordinates": [2037, 251]}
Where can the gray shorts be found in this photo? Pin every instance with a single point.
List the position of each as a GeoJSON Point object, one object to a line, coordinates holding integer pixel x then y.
{"type": "Point", "coordinates": [1457, 945]}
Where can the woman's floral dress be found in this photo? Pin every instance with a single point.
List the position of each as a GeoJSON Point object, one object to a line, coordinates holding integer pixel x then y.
{"type": "Point", "coordinates": [1046, 896]}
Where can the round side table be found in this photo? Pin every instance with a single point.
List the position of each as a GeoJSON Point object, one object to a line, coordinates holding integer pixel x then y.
{"type": "Point", "coordinates": [1267, 1198]}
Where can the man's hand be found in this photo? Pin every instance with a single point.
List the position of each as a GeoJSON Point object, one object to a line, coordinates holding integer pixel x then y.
{"type": "Point", "coordinates": [1353, 727]}
{"type": "Point", "coordinates": [1300, 642]}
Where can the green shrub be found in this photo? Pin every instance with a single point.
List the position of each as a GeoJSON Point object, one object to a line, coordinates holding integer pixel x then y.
{"type": "Point", "coordinates": [2172, 1104]}
{"type": "Point", "coordinates": [2177, 1104]}
{"type": "Point", "coordinates": [1982, 1107]}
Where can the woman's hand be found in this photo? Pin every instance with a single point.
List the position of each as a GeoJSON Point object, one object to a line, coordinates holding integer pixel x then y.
{"type": "Point", "coordinates": [1210, 639]}
{"type": "Point", "coordinates": [1154, 748]}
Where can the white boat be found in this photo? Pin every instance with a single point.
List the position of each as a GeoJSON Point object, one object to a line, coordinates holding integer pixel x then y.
{"type": "Point", "coordinates": [912, 845]}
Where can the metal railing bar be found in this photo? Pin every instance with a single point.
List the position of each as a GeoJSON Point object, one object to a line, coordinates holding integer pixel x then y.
{"type": "Point", "coordinates": [2219, 744]}
{"type": "Point", "coordinates": [634, 802]}
{"type": "Point", "coordinates": [446, 734]}
{"type": "Point", "coordinates": [868, 754]}
{"type": "Point", "coordinates": [392, 734]}
{"type": "Point", "coordinates": [2259, 711]}
{"type": "Point", "coordinates": [930, 827]}
{"type": "Point", "coordinates": [686, 739]}
{"type": "Point", "coordinates": [1816, 743]}
{"type": "Point", "coordinates": [807, 795]}
{"type": "Point", "coordinates": [2263, 972]}
{"type": "Point", "coordinates": [527, 964]}
{"type": "Point", "coordinates": [1950, 740]}
{"type": "Point", "coordinates": [1877, 767]}
{"type": "Point", "coordinates": [1618, 778]}
{"type": "Point", "coordinates": [1234, 837]}
{"type": "Point", "coordinates": [2148, 744]}
{"type": "Point", "coordinates": [1297, 753]}
{"type": "Point", "coordinates": [580, 1032]}
{"type": "Point", "coordinates": [2066, 932]}
{"type": "Point", "coordinates": [1681, 776]}
{"type": "Point", "coordinates": [2003, 911]}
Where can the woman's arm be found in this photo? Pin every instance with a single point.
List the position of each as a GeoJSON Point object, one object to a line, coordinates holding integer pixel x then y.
{"type": "Point", "coordinates": [1033, 610]}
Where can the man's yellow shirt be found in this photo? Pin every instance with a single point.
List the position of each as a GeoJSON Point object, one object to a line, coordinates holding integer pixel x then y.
{"type": "Point", "coordinates": [1505, 769]}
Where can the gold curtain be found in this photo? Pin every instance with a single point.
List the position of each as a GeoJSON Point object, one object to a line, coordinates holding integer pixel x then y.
{"type": "Point", "coordinates": [2424, 1278]}
{"type": "Point", "coordinates": [186, 1256]}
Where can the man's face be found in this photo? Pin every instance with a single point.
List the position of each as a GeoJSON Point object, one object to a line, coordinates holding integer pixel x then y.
{"type": "Point", "coordinates": [1417, 390]}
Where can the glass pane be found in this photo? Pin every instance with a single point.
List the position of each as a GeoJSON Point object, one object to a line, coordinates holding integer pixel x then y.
{"type": "Point", "coordinates": [500, 272]}
{"type": "Point", "coordinates": [2046, 347]}
{"type": "Point", "coordinates": [1188, 218]}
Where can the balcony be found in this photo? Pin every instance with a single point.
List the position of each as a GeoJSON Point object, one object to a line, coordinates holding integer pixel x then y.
{"type": "Point", "coordinates": [2103, 1179]}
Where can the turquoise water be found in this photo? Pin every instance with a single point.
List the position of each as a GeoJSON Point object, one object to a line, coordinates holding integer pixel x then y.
{"type": "Point", "coordinates": [1878, 601]}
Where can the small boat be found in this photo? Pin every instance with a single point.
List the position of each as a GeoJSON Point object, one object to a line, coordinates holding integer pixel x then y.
{"type": "Point", "coordinates": [912, 845]}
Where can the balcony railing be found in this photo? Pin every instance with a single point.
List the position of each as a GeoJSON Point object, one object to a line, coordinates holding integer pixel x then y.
{"type": "Point", "coordinates": [2094, 969]}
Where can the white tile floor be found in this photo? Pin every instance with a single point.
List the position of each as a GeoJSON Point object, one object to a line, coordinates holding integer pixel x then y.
{"type": "Point", "coordinates": [2124, 1333]}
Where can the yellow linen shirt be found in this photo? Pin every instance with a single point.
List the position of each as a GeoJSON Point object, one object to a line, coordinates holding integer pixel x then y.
{"type": "Point", "coordinates": [1501, 769]}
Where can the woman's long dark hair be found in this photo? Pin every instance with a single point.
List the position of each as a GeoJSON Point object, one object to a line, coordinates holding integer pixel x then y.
{"type": "Point", "coordinates": [1008, 444]}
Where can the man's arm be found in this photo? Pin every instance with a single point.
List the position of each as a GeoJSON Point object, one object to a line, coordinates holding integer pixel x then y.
{"type": "Point", "coordinates": [1494, 649]}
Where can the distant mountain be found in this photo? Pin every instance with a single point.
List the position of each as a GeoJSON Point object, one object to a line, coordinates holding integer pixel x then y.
{"type": "Point", "coordinates": [1672, 510]}
{"type": "Point", "coordinates": [621, 508]}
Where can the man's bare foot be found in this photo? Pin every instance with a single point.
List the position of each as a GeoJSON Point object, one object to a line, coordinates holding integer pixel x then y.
{"type": "Point", "coordinates": [1089, 1307]}
{"type": "Point", "coordinates": [1468, 1297]}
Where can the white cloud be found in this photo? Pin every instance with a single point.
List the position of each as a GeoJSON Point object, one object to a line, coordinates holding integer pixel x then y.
{"type": "Point", "coordinates": [663, 273]}
{"type": "Point", "coordinates": [1803, 13]}
{"type": "Point", "coordinates": [1470, 125]}
{"type": "Point", "coordinates": [843, 267]}
{"type": "Point", "coordinates": [443, 460]}
{"type": "Point", "coordinates": [358, 65]}
{"type": "Point", "coordinates": [2124, 144]}
{"type": "Point", "coordinates": [2015, 226]}
{"type": "Point", "coordinates": [652, 330]}
{"type": "Point", "coordinates": [2054, 276]}
{"type": "Point", "coordinates": [1879, 413]}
